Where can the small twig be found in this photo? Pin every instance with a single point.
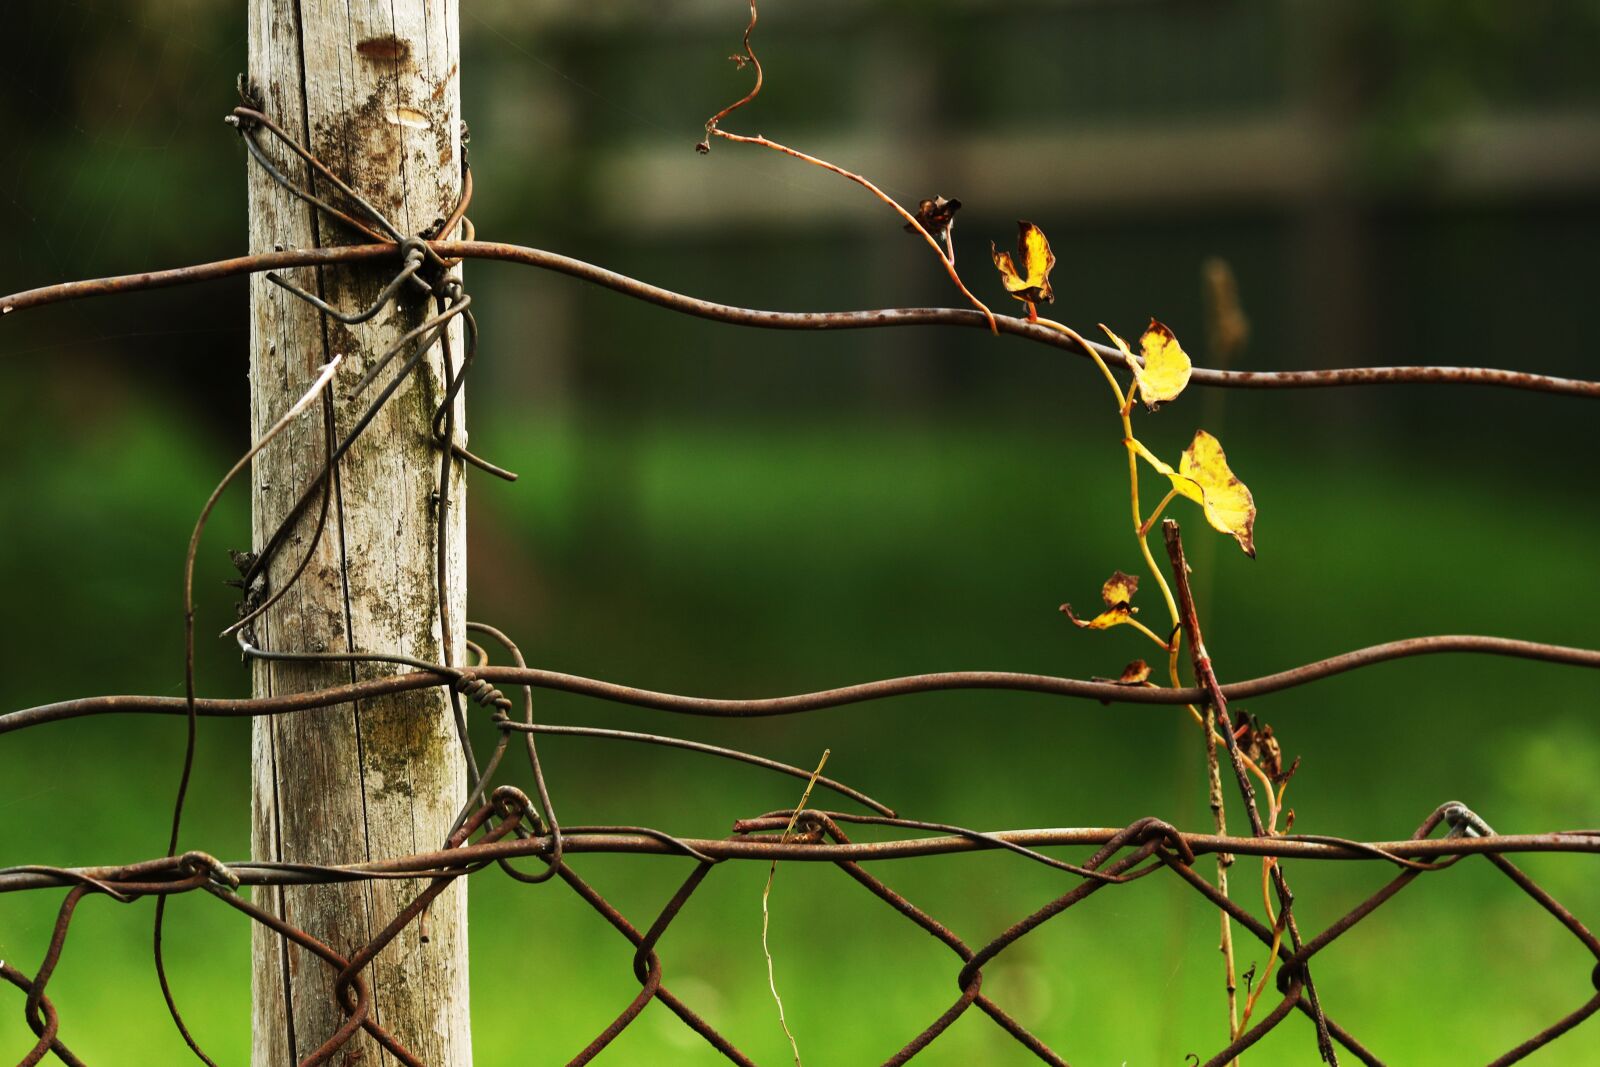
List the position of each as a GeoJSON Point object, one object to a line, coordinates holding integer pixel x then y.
{"type": "Point", "coordinates": [1219, 819]}
{"type": "Point", "coordinates": [772, 982]}
{"type": "Point", "coordinates": [1207, 679]}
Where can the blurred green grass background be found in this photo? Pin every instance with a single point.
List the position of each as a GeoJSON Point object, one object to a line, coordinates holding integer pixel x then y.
{"type": "Point", "coordinates": [722, 512]}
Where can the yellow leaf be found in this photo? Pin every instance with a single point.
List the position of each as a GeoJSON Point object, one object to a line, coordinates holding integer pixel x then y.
{"type": "Point", "coordinates": [1204, 477]}
{"type": "Point", "coordinates": [1166, 366]}
{"type": "Point", "coordinates": [1227, 501]}
{"type": "Point", "coordinates": [1116, 593]}
{"type": "Point", "coordinates": [1164, 371]}
{"type": "Point", "coordinates": [1032, 284]}
{"type": "Point", "coordinates": [1104, 621]}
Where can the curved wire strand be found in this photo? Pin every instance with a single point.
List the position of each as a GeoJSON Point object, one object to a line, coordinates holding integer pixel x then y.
{"type": "Point", "coordinates": [795, 320]}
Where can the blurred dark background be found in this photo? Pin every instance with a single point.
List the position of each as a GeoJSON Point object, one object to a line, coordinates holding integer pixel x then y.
{"type": "Point", "coordinates": [710, 510]}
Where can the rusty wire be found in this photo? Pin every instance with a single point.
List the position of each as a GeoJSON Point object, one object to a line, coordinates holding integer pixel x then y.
{"type": "Point", "coordinates": [717, 707]}
{"type": "Point", "coordinates": [822, 840]}
{"type": "Point", "coordinates": [1141, 849]}
{"type": "Point", "coordinates": [789, 320]}
{"type": "Point", "coordinates": [499, 824]}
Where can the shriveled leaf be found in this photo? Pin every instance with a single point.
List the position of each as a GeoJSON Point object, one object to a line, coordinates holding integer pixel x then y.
{"type": "Point", "coordinates": [1166, 366]}
{"type": "Point", "coordinates": [1135, 673]}
{"type": "Point", "coordinates": [937, 216]}
{"type": "Point", "coordinates": [1204, 477]}
{"type": "Point", "coordinates": [1117, 593]}
{"type": "Point", "coordinates": [1104, 621]}
{"type": "Point", "coordinates": [1257, 741]}
{"type": "Point", "coordinates": [1032, 283]}
{"type": "Point", "coordinates": [1119, 589]}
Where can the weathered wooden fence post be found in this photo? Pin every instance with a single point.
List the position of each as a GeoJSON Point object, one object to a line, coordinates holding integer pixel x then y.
{"type": "Point", "coordinates": [372, 86]}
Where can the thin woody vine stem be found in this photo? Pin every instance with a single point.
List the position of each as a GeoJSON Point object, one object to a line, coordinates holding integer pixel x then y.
{"type": "Point", "coordinates": [1206, 677]}
{"type": "Point", "coordinates": [713, 129]}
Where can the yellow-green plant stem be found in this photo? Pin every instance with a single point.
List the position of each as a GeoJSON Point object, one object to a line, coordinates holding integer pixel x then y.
{"type": "Point", "coordinates": [1150, 522]}
{"type": "Point", "coordinates": [1140, 528]}
{"type": "Point", "coordinates": [766, 950]}
{"type": "Point", "coordinates": [1141, 531]}
{"type": "Point", "coordinates": [1124, 412]}
{"type": "Point", "coordinates": [1151, 634]}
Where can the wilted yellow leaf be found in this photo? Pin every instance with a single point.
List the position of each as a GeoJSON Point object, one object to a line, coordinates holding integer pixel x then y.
{"type": "Point", "coordinates": [1119, 589]}
{"type": "Point", "coordinates": [1032, 284]}
{"type": "Point", "coordinates": [1117, 594]}
{"type": "Point", "coordinates": [937, 215]}
{"type": "Point", "coordinates": [1203, 476]}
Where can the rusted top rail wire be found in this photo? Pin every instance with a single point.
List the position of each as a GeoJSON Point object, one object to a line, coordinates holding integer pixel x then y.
{"type": "Point", "coordinates": [1121, 855]}
{"type": "Point", "coordinates": [784, 320]}
{"type": "Point", "coordinates": [576, 840]}
{"type": "Point", "coordinates": [828, 698]}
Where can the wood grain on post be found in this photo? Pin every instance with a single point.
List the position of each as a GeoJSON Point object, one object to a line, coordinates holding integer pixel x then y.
{"type": "Point", "coordinates": [372, 87]}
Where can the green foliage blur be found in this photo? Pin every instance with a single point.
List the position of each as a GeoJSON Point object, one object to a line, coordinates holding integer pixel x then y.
{"type": "Point", "coordinates": [710, 510]}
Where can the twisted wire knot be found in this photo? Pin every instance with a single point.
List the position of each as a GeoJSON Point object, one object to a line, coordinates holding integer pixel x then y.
{"type": "Point", "coordinates": [481, 692]}
{"type": "Point", "coordinates": [416, 253]}
{"type": "Point", "coordinates": [197, 862]}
